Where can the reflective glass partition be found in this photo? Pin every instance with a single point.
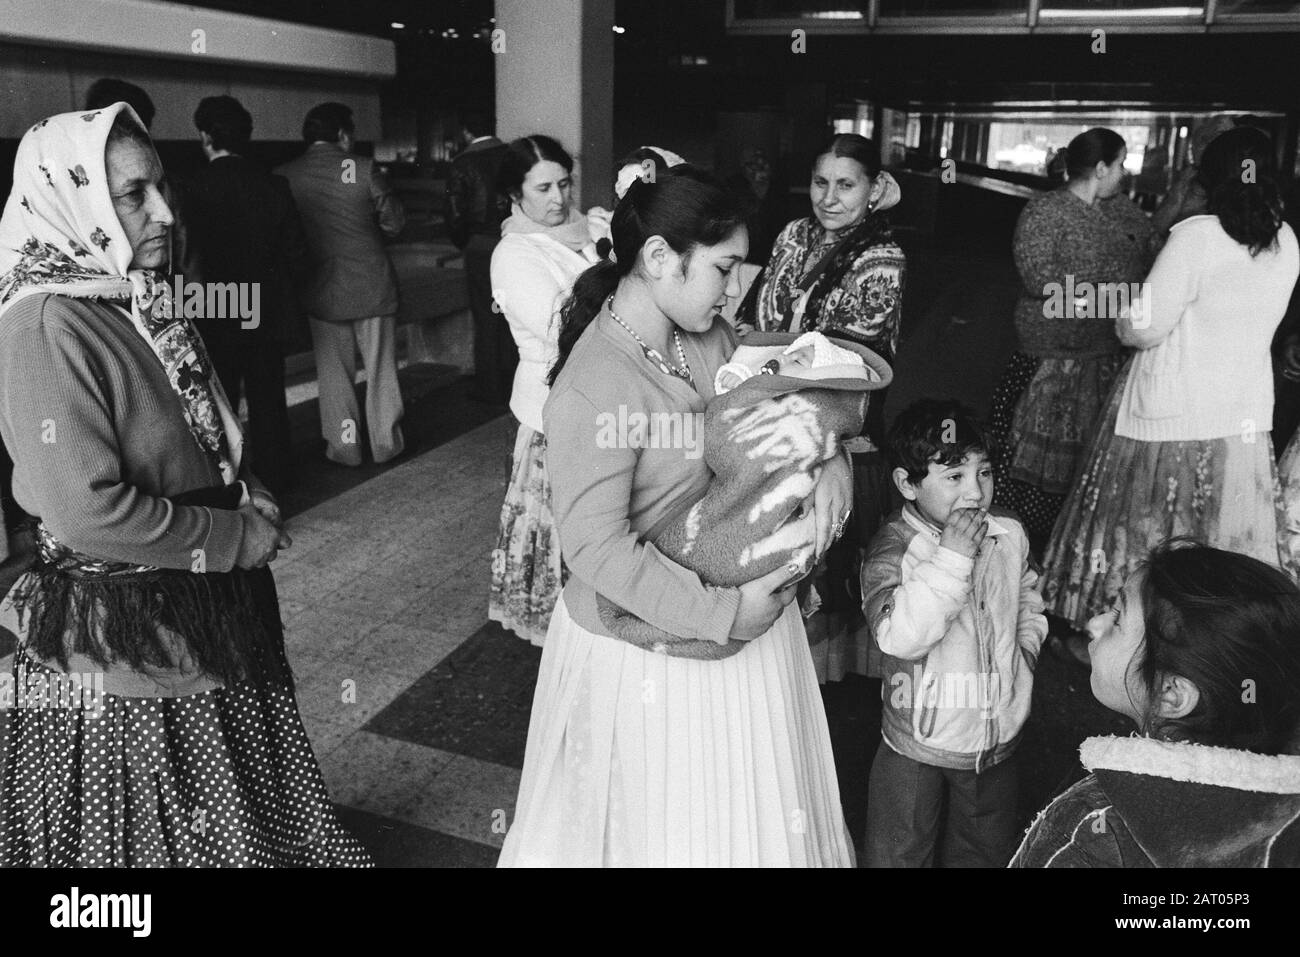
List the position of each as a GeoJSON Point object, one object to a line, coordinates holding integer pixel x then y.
{"type": "Point", "coordinates": [800, 10]}
{"type": "Point", "coordinates": [958, 16]}
{"type": "Point", "coordinates": [1230, 8]}
{"type": "Point", "coordinates": [1125, 8]}
{"type": "Point", "coordinates": [950, 8]}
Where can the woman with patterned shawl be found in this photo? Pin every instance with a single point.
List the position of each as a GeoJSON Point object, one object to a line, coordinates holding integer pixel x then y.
{"type": "Point", "coordinates": [155, 722]}
{"type": "Point", "coordinates": [839, 272]}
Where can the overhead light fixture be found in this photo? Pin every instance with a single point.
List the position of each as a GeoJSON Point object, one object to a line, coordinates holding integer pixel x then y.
{"type": "Point", "coordinates": [397, 26]}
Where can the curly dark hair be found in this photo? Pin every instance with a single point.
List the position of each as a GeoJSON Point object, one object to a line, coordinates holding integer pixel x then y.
{"type": "Point", "coordinates": [935, 430]}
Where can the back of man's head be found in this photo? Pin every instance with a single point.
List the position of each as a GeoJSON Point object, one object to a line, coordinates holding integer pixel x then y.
{"type": "Point", "coordinates": [225, 120]}
{"type": "Point", "coordinates": [325, 122]}
{"type": "Point", "coordinates": [107, 91]}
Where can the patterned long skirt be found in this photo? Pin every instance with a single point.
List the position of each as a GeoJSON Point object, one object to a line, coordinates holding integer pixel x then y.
{"type": "Point", "coordinates": [1044, 416]}
{"type": "Point", "coordinates": [527, 570]}
{"type": "Point", "coordinates": [1289, 472]}
{"type": "Point", "coordinates": [1132, 495]}
{"type": "Point", "coordinates": [1056, 420]}
{"type": "Point", "coordinates": [224, 778]}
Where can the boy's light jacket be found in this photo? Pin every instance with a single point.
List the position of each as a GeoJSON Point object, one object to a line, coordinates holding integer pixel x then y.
{"type": "Point", "coordinates": [960, 638]}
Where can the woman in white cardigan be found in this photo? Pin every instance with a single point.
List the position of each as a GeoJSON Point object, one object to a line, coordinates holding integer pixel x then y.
{"type": "Point", "coordinates": [1185, 447]}
{"type": "Point", "coordinates": [545, 245]}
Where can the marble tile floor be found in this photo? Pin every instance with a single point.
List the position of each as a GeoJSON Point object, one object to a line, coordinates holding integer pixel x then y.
{"type": "Point", "coordinates": [384, 599]}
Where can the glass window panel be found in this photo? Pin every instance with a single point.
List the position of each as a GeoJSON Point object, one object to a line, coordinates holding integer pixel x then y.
{"type": "Point", "coordinates": [1227, 8]}
{"type": "Point", "coordinates": [1132, 8]}
{"type": "Point", "coordinates": [1026, 147]}
{"type": "Point", "coordinates": [801, 9]}
{"type": "Point", "coordinates": [950, 8]}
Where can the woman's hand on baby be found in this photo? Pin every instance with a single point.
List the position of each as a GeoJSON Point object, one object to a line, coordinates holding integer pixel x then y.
{"type": "Point", "coordinates": [832, 502]}
{"type": "Point", "coordinates": [964, 531]}
{"type": "Point", "coordinates": [763, 600]}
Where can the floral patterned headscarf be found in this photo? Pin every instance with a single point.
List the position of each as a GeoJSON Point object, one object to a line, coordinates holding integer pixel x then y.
{"type": "Point", "coordinates": [60, 234]}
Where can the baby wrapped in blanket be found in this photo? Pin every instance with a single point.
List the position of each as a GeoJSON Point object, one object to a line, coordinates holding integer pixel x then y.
{"type": "Point", "coordinates": [783, 406]}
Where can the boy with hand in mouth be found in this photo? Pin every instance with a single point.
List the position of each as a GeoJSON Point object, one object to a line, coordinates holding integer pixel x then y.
{"type": "Point", "coordinates": [954, 608]}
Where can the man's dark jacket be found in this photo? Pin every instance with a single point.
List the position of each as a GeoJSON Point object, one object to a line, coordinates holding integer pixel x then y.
{"type": "Point", "coordinates": [474, 206]}
{"type": "Point", "coordinates": [245, 227]}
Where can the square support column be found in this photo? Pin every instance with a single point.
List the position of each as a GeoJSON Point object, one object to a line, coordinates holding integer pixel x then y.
{"type": "Point", "coordinates": [555, 75]}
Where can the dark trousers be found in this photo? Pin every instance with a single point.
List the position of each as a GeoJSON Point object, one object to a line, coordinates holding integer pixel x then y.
{"type": "Point", "coordinates": [253, 360]}
{"type": "Point", "coordinates": [495, 354]}
{"type": "Point", "coordinates": [906, 812]}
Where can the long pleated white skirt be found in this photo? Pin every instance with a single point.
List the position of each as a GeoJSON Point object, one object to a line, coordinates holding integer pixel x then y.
{"type": "Point", "coordinates": [640, 759]}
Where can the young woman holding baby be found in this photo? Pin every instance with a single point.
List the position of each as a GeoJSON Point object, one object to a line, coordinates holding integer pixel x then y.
{"type": "Point", "coordinates": [636, 757]}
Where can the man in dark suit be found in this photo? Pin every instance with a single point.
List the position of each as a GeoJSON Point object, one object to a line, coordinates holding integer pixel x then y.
{"type": "Point", "coordinates": [246, 229]}
{"type": "Point", "coordinates": [476, 211]}
{"type": "Point", "coordinates": [350, 296]}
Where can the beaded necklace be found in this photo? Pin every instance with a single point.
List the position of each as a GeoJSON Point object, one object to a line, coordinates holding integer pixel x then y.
{"type": "Point", "coordinates": [683, 372]}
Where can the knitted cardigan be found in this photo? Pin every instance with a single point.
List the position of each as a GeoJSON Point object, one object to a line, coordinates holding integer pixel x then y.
{"type": "Point", "coordinates": [1203, 370]}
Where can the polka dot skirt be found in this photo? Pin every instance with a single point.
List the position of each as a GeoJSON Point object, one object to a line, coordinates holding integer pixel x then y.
{"type": "Point", "coordinates": [225, 778]}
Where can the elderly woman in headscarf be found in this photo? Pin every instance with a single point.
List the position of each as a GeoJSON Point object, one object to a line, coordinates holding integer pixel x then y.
{"type": "Point", "coordinates": [149, 606]}
{"type": "Point", "coordinates": [840, 272]}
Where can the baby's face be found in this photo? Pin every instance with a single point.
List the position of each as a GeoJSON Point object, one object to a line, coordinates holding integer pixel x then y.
{"type": "Point", "coordinates": [796, 362]}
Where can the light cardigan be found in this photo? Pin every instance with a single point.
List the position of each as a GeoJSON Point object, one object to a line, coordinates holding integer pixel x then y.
{"type": "Point", "coordinates": [609, 488]}
{"type": "Point", "coordinates": [1210, 310]}
{"type": "Point", "coordinates": [531, 276]}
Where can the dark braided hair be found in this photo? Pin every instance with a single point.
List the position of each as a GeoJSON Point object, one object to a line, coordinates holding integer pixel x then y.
{"type": "Point", "coordinates": [685, 205]}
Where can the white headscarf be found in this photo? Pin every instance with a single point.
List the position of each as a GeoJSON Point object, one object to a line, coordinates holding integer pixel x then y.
{"type": "Point", "coordinates": [60, 234]}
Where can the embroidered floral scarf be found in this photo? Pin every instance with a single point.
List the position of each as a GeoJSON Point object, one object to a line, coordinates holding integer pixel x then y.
{"type": "Point", "coordinates": [60, 234]}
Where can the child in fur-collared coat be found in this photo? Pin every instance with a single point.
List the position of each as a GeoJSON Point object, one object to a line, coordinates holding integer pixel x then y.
{"type": "Point", "coordinates": [1202, 651]}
